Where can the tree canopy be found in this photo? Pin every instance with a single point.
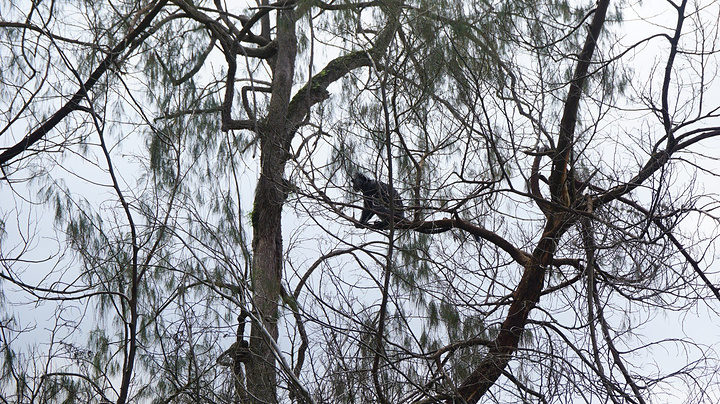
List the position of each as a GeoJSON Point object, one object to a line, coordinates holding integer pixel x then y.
{"type": "Point", "coordinates": [178, 220]}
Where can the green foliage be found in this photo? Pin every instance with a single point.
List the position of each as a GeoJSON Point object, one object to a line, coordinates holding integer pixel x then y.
{"type": "Point", "coordinates": [464, 90]}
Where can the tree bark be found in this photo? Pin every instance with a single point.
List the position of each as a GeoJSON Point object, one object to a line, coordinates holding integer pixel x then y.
{"type": "Point", "coordinates": [276, 131]}
{"type": "Point", "coordinates": [266, 219]}
{"type": "Point", "coordinates": [560, 218]}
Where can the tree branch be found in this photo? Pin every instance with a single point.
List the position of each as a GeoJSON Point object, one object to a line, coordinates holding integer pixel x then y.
{"type": "Point", "coordinates": [528, 291]}
{"type": "Point", "coordinates": [130, 42]}
{"type": "Point", "coordinates": [562, 159]}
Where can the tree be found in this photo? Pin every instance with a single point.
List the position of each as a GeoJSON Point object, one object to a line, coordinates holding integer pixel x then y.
{"type": "Point", "coordinates": [501, 283]}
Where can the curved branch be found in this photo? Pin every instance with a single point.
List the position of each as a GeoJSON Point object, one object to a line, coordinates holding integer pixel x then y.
{"type": "Point", "coordinates": [535, 175]}
{"type": "Point", "coordinates": [315, 90]}
{"type": "Point", "coordinates": [42, 31]}
{"type": "Point", "coordinates": [656, 161]}
{"type": "Point", "coordinates": [442, 225]}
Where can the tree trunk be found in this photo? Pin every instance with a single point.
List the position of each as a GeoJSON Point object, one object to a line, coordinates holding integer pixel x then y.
{"type": "Point", "coordinates": [270, 195]}
{"type": "Point", "coordinates": [525, 297]}
{"type": "Point", "coordinates": [560, 218]}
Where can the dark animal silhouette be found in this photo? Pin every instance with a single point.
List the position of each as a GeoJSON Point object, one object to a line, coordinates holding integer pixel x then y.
{"type": "Point", "coordinates": [378, 198]}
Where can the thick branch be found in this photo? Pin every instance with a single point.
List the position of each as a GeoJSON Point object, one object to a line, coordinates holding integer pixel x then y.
{"type": "Point", "coordinates": [674, 41]}
{"type": "Point", "coordinates": [443, 225]}
{"type": "Point", "coordinates": [315, 90]}
{"type": "Point", "coordinates": [563, 155]}
{"type": "Point", "coordinates": [527, 293]}
{"type": "Point", "coordinates": [656, 161]}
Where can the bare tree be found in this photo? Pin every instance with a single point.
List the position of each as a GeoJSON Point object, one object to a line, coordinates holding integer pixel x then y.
{"type": "Point", "coordinates": [548, 183]}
